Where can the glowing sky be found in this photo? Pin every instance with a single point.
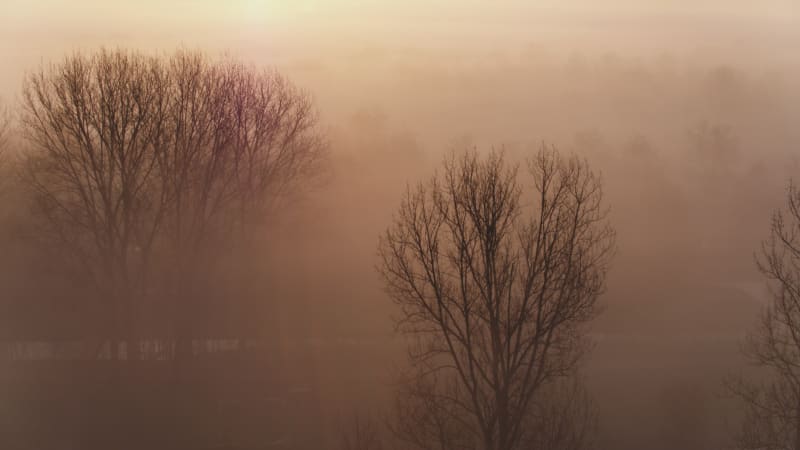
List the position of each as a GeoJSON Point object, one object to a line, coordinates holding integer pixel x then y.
{"type": "Point", "coordinates": [33, 31]}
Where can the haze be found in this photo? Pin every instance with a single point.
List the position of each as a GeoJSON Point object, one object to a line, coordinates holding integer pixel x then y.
{"type": "Point", "coordinates": [689, 109]}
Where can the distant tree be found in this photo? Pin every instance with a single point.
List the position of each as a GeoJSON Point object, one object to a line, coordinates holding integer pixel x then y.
{"type": "Point", "coordinates": [493, 283]}
{"type": "Point", "coordinates": [562, 417]}
{"type": "Point", "coordinates": [565, 417]}
{"type": "Point", "coordinates": [713, 145]}
{"type": "Point", "coordinates": [363, 434]}
{"type": "Point", "coordinates": [134, 157]}
{"type": "Point", "coordinates": [772, 403]}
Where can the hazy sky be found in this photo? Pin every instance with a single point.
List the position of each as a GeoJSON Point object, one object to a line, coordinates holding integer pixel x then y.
{"type": "Point", "coordinates": [32, 31]}
{"type": "Point", "coordinates": [631, 83]}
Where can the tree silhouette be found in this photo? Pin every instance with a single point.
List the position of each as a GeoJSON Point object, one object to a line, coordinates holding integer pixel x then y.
{"type": "Point", "coordinates": [493, 282]}
{"type": "Point", "coordinates": [140, 165]}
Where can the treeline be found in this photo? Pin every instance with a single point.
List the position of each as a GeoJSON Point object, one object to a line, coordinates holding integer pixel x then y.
{"type": "Point", "coordinates": [140, 192]}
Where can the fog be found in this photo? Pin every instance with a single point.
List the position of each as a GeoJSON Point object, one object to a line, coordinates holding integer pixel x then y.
{"type": "Point", "coordinates": [688, 109]}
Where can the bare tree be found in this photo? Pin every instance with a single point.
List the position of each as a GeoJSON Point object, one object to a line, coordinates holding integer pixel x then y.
{"type": "Point", "coordinates": [493, 283]}
{"type": "Point", "coordinates": [772, 404]}
{"type": "Point", "coordinates": [144, 165]}
{"type": "Point", "coordinates": [363, 434]}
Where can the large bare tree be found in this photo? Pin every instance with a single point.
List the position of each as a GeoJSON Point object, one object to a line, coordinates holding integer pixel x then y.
{"type": "Point", "coordinates": [494, 278]}
{"type": "Point", "coordinates": [772, 399]}
{"type": "Point", "coordinates": [137, 158]}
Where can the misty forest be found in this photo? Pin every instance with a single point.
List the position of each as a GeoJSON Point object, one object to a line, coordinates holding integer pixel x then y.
{"type": "Point", "coordinates": [361, 225]}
